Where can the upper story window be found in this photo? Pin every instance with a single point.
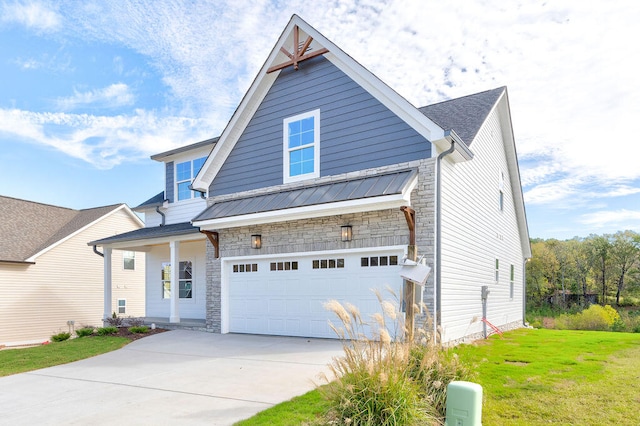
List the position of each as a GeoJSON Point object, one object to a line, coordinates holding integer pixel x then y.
{"type": "Point", "coordinates": [185, 173]}
{"type": "Point", "coordinates": [302, 146]}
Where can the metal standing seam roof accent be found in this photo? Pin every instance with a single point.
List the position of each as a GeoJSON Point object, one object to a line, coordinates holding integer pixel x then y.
{"type": "Point", "coordinates": [330, 192]}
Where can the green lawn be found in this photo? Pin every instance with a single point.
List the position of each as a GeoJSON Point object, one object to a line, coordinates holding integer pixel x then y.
{"type": "Point", "coordinates": [14, 361]}
{"type": "Point", "coordinates": [532, 377]}
{"type": "Point", "coordinates": [535, 377]}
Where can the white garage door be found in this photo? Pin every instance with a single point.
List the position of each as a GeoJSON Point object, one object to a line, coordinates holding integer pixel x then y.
{"type": "Point", "coordinates": [285, 295]}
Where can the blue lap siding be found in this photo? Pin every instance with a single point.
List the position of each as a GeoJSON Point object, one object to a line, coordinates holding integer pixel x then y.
{"type": "Point", "coordinates": [356, 131]}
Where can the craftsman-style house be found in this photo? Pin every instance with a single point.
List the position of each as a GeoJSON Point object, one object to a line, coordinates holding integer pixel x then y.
{"type": "Point", "coordinates": [314, 190]}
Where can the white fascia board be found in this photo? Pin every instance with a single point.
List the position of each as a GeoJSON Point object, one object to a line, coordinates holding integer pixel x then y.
{"type": "Point", "coordinates": [234, 129]}
{"type": "Point", "coordinates": [514, 173]}
{"type": "Point", "coordinates": [242, 115]}
{"type": "Point", "coordinates": [387, 96]}
{"type": "Point", "coordinates": [145, 244]}
{"type": "Point", "coordinates": [73, 234]}
{"type": "Point", "coordinates": [263, 82]}
{"type": "Point", "coordinates": [187, 155]}
{"type": "Point", "coordinates": [307, 212]}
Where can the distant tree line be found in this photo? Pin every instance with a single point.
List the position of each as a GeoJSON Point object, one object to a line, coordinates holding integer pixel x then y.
{"type": "Point", "coordinates": [599, 268]}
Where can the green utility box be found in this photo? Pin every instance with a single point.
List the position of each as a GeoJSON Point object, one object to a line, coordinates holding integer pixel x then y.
{"type": "Point", "coordinates": [464, 404]}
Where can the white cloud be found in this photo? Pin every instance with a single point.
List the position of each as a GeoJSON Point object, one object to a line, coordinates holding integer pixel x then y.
{"type": "Point", "coordinates": [572, 93]}
{"type": "Point", "coordinates": [32, 14]}
{"type": "Point", "coordinates": [614, 220]}
{"type": "Point", "coordinates": [100, 140]}
{"type": "Point", "coordinates": [115, 95]}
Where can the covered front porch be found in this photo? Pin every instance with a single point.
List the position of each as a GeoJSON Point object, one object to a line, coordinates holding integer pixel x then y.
{"type": "Point", "coordinates": [175, 263]}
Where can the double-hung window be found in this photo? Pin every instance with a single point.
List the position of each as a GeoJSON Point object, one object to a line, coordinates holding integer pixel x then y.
{"type": "Point", "coordinates": [129, 260]}
{"type": "Point", "coordinates": [185, 173]}
{"type": "Point", "coordinates": [302, 146]}
{"type": "Point", "coordinates": [185, 280]}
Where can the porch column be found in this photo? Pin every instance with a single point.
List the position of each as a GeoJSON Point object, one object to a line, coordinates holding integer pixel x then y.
{"type": "Point", "coordinates": [107, 283]}
{"type": "Point", "coordinates": [174, 315]}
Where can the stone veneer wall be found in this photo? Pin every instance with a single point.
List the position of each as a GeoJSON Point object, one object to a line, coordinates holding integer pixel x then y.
{"type": "Point", "coordinates": [370, 229]}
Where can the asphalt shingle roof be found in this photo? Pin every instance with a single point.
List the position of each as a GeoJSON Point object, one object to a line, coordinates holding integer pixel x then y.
{"type": "Point", "coordinates": [27, 228]}
{"type": "Point", "coordinates": [464, 115]}
{"type": "Point", "coordinates": [156, 200]}
{"type": "Point", "coordinates": [150, 232]}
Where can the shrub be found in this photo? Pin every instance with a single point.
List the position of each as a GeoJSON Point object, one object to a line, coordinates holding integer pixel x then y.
{"type": "Point", "coordinates": [84, 331]}
{"type": "Point", "coordinates": [103, 331]}
{"type": "Point", "coordinates": [115, 320]}
{"type": "Point", "coordinates": [383, 379]}
{"type": "Point", "coordinates": [595, 317]}
{"type": "Point", "coordinates": [134, 321]}
{"type": "Point", "coordinates": [138, 329]}
{"type": "Point", "coordinates": [60, 337]}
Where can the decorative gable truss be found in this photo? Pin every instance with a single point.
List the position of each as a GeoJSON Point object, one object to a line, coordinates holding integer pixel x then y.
{"type": "Point", "coordinates": [290, 51]}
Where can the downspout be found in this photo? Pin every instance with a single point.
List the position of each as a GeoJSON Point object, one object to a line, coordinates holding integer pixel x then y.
{"type": "Point", "coordinates": [524, 292]}
{"type": "Point", "coordinates": [438, 281]}
{"type": "Point", "coordinates": [95, 250]}
{"type": "Point", "coordinates": [161, 214]}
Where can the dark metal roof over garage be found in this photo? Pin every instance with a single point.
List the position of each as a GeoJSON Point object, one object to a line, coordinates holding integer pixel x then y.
{"type": "Point", "coordinates": [330, 192]}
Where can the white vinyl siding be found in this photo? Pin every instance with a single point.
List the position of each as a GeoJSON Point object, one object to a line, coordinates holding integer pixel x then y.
{"type": "Point", "coordinates": [194, 307]}
{"type": "Point", "coordinates": [474, 234]}
{"type": "Point", "coordinates": [66, 283]}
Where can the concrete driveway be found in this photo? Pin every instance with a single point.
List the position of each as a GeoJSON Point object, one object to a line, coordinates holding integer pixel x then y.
{"type": "Point", "coordinates": [173, 378]}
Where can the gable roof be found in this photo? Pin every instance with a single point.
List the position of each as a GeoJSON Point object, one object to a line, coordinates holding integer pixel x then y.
{"type": "Point", "coordinates": [264, 80]}
{"type": "Point", "coordinates": [28, 229]}
{"type": "Point", "coordinates": [156, 200]}
{"type": "Point", "coordinates": [161, 156]}
{"type": "Point", "coordinates": [464, 115]}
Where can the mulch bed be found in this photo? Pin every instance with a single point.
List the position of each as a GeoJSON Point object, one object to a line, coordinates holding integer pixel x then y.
{"type": "Point", "coordinates": [124, 332]}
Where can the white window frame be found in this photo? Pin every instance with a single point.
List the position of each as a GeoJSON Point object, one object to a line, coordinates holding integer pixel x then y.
{"type": "Point", "coordinates": [192, 174]}
{"type": "Point", "coordinates": [501, 191]}
{"type": "Point", "coordinates": [316, 146]}
{"type": "Point", "coordinates": [124, 306]}
{"type": "Point", "coordinates": [511, 282]}
{"type": "Point", "coordinates": [125, 257]}
{"type": "Point", "coordinates": [166, 283]}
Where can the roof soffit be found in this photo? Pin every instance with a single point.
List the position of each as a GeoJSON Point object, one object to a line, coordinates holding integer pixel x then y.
{"type": "Point", "coordinates": [264, 80]}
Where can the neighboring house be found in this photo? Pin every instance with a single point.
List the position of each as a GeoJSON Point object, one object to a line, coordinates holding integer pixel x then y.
{"type": "Point", "coordinates": [49, 276]}
{"type": "Point", "coordinates": [313, 191]}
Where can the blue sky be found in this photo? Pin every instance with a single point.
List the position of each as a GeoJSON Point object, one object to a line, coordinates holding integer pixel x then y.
{"type": "Point", "coordinates": [89, 90]}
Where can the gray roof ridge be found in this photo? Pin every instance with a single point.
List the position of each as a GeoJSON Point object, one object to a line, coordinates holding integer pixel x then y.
{"type": "Point", "coordinates": [463, 97]}
{"type": "Point", "coordinates": [38, 202]}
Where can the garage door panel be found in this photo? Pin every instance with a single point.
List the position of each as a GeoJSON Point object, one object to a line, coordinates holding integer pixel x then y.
{"type": "Point", "coordinates": [291, 302]}
{"type": "Point", "coordinates": [276, 307]}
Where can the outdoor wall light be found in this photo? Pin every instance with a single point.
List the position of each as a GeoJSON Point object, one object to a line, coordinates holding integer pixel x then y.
{"type": "Point", "coordinates": [256, 241]}
{"type": "Point", "coordinates": [347, 233]}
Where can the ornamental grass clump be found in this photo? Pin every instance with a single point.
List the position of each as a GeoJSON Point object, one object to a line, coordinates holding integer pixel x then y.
{"type": "Point", "coordinates": [382, 379]}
